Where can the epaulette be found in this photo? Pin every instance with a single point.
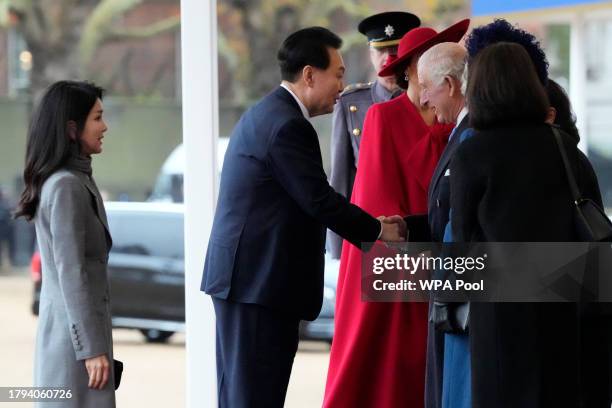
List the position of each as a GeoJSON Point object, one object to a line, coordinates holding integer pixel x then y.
{"type": "Point", "coordinates": [356, 87]}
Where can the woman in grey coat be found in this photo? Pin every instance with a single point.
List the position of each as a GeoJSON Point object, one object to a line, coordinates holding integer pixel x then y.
{"type": "Point", "coordinates": [74, 343]}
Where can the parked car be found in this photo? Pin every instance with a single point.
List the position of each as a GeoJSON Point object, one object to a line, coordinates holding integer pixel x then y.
{"type": "Point", "coordinates": [169, 183]}
{"type": "Point", "coordinates": [147, 273]}
{"type": "Point", "coordinates": [145, 266]}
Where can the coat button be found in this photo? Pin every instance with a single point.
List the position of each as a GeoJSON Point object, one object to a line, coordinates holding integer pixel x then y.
{"type": "Point", "coordinates": [356, 131]}
{"type": "Point", "coordinates": [353, 108]}
{"type": "Point", "coordinates": [438, 203]}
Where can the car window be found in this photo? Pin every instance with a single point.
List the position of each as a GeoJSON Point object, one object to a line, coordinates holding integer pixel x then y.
{"type": "Point", "coordinates": [147, 233]}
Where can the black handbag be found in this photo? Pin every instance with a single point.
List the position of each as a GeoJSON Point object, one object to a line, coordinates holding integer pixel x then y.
{"type": "Point", "coordinates": [118, 369]}
{"type": "Point", "coordinates": [592, 223]}
{"type": "Point", "coordinates": [450, 317]}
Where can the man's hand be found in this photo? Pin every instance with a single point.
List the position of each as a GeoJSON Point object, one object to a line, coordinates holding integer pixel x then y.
{"type": "Point", "coordinates": [393, 228]}
{"type": "Point", "coordinates": [396, 219]}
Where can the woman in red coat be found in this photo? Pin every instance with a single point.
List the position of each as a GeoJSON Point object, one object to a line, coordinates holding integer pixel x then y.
{"type": "Point", "coordinates": [378, 352]}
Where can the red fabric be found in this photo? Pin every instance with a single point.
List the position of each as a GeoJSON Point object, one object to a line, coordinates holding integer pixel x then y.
{"type": "Point", "coordinates": [378, 351]}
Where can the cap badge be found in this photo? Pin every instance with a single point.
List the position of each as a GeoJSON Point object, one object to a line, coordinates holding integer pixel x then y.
{"type": "Point", "coordinates": [389, 30]}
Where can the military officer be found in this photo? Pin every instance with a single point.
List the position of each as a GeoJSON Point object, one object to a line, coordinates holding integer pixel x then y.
{"type": "Point", "coordinates": [383, 32]}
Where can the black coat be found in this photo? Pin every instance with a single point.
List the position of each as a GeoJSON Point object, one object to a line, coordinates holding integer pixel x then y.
{"type": "Point", "coordinates": [509, 185]}
{"type": "Point", "coordinates": [430, 227]}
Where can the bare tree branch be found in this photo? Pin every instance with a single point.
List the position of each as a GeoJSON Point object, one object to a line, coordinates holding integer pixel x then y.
{"type": "Point", "coordinates": [318, 11]}
{"type": "Point", "coordinates": [99, 28]}
{"type": "Point", "coordinates": [99, 24]}
{"type": "Point", "coordinates": [58, 20]}
{"type": "Point", "coordinates": [160, 27]}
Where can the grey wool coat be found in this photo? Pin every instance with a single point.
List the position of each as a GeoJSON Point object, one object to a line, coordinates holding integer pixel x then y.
{"type": "Point", "coordinates": [74, 319]}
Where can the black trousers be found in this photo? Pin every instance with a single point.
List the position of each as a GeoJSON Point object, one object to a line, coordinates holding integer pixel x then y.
{"type": "Point", "coordinates": [255, 351]}
{"type": "Point", "coordinates": [434, 366]}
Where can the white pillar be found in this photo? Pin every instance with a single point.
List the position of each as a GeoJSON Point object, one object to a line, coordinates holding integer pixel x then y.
{"type": "Point", "coordinates": [578, 77]}
{"type": "Point", "coordinates": [200, 130]}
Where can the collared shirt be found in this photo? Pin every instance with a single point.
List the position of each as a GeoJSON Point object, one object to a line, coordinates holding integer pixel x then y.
{"type": "Point", "coordinates": [462, 115]}
{"type": "Point", "coordinates": [302, 107]}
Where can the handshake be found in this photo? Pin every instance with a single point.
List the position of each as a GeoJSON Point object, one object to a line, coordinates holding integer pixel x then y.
{"type": "Point", "coordinates": [394, 228]}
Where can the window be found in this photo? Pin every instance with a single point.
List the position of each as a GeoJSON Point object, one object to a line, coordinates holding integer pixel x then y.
{"type": "Point", "coordinates": [147, 233]}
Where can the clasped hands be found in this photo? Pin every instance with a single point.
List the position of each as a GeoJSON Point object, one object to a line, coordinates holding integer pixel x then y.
{"type": "Point", "coordinates": [394, 228]}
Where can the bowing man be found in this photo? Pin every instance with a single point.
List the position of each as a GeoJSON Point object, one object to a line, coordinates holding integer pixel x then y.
{"type": "Point", "coordinates": [264, 264]}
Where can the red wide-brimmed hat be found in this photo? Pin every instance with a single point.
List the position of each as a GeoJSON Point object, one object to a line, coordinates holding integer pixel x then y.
{"type": "Point", "coordinates": [421, 39]}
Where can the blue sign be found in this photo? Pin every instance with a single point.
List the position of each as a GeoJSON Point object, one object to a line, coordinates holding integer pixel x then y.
{"type": "Point", "coordinates": [493, 7]}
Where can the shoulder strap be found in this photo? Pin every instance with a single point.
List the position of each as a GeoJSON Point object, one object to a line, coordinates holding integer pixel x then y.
{"type": "Point", "coordinates": [568, 169]}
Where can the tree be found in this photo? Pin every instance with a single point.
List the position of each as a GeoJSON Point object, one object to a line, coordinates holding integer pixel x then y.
{"type": "Point", "coordinates": [63, 35]}
{"type": "Point", "coordinates": [250, 32]}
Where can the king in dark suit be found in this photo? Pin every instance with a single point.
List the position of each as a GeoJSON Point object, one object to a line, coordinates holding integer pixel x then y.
{"type": "Point", "coordinates": [443, 91]}
{"type": "Point", "coordinates": [264, 264]}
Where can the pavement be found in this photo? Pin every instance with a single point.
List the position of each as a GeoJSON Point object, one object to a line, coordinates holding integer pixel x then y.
{"type": "Point", "coordinates": [154, 374]}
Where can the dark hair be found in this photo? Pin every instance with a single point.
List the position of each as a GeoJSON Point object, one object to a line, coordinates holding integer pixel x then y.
{"type": "Point", "coordinates": [502, 31]}
{"type": "Point", "coordinates": [565, 117]}
{"type": "Point", "coordinates": [307, 46]}
{"type": "Point", "coordinates": [49, 144]}
{"type": "Point", "coordinates": [400, 75]}
{"type": "Point", "coordinates": [503, 88]}
{"type": "Point", "coordinates": [400, 71]}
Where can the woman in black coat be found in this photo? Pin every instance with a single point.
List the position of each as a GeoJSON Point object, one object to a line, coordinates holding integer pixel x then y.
{"type": "Point", "coordinates": [508, 184]}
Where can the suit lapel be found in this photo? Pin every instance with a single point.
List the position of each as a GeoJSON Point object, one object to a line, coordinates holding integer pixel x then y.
{"type": "Point", "coordinates": [447, 154]}
{"type": "Point", "coordinates": [99, 205]}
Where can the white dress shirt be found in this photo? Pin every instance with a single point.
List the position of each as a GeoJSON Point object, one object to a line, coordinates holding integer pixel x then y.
{"type": "Point", "coordinates": [302, 107]}
{"type": "Point", "coordinates": [462, 115]}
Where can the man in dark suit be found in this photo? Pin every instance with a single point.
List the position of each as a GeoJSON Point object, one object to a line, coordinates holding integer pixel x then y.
{"type": "Point", "coordinates": [443, 90]}
{"type": "Point", "coordinates": [264, 264]}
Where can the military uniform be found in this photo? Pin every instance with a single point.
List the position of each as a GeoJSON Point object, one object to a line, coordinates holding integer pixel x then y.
{"type": "Point", "coordinates": [349, 114]}
{"type": "Point", "coordinates": [383, 30]}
